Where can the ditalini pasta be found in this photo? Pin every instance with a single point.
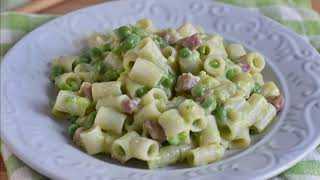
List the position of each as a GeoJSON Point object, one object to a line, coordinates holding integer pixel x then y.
{"type": "Point", "coordinates": [163, 96]}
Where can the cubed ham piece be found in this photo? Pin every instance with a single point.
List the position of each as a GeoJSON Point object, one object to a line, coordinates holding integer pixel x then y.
{"type": "Point", "coordinates": [155, 130]}
{"type": "Point", "coordinates": [86, 89]}
{"type": "Point", "coordinates": [244, 67]}
{"type": "Point", "coordinates": [186, 82]}
{"type": "Point", "coordinates": [169, 37]}
{"type": "Point", "coordinates": [130, 105]}
{"type": "Point", "coordinates": [76, 136]}
{"type": "Point", "coordinates": [277, 102]}
{"type": "Point", "coordinates": [191, 42]}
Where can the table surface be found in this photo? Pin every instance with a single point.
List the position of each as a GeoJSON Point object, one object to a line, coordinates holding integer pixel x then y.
{"type": "Point", "coordinates": [77, 4]}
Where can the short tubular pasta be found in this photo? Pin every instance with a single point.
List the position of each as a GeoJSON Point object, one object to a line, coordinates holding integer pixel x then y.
{"type": "Point", "coordinates": [112, 101]}
{"type": "Point", "coordinates": [235, 51]}
{"type": "Point", "coordinates": [129, 59]}
{"type": "Point", "coordinates": [164, 96]}
{"type": "Point", "coordinates": [205, 154]}
{"type": "Point", "coordinates": [146, 24]}
{"type": "Point", "coordinates": [270, 89]}
{"type": "Point", "coordinates": [110, 120]}
{"type": "Point", "coordinates": [232, 69]}
{"type": "Point", "coordinates": [236, 102]}
{"type": "Point", "coordinates": [172, 123]}
{"type": "Point", "coordinates": [66, 62]}
{"type": "Point", "coordinates": [258, 103]}
{"type": "Point", "coordinates": [242, 140]}
{"type": "Point", "coordinates": [211, 134]}
{"type": "Point", "coordinates": [104, 89]}
{"type": "Point", "coordinates": [109, 138]}
{"type": "Point", "coordinates": [154, 95]}
{"type": "Point", "coordinates": [148, 112]}
{"type": "Point", "coordinates": [255, 61]}
{"type": "Point", "coordinates": [264, 120]}
{"type": "Point", "coordinates": [214, 66]}
{"type": "Point", "coordinates": [193, 114]}
{"type": "Point", "coordinates": [231, 127]}
{"type": "Point", "coordinates": [144, 148]}
{"type": "Point", "coordinates": [170, 53]}
{"type": "Point", "coordinates": [169, 155]}
{"type": "Point", "coordinates": [208, 80]}
{"type": "Point", "coordinates": [258, 78]}
{"type": "Point", "coordinates": [225, 143]}
{"type": "Point", "coordinates": [224, 91]}
{"type": "Point", "coordinates": [131, 86]}
{"type": "Point", "coordinates": [131, 145]}
{"type": "Point", "coordinates": [113, 61]}
{"type": "Point", "coordinates": [147, 49]}
{"type": "Point", "coordinates": [146, 73]}
{"type": "Point", "coordinates": [93, 140]}
{"type": "Point", "coordinates": [245, 82]}
{"type": "Point", "coordinates": [97, 40]}
{"type": "Point", "coordinates": [70, 102]}
{"type": "Point", "coordinates": [85, 71]}
{"type": "Point", "coordinates": [187, 30]}
{"type": "Point", "coordinates": [215, 44]}
{"type": "Point", "coordinates": [175, 102]}
{"type": "Point", "coordinates": [192, 63]}
{"type": "Point", "coordinates": [120, 149]}
{"type": "Point", "coordinates": [68, 81]}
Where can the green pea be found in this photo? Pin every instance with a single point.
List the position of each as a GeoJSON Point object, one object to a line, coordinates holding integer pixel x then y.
{"type": "Point", "coordinates": [198, 90]}
{"type": "Point", "coordinates": [142, 91]}
{"type": "Point", "coordinates": [185, 53]}
{"type": "Point", "coordinates": [73, 119]}
{"type": "Point", "coordinates": [131, 42]}
{"type": "Point", "coordinates": [123, 32]}
{"type": "Point", "coordinates": [100, 67]}
{"type": "Point", "coordinates": [181, 138]}
{"type": "Point", "coordinates": [73, 85]}
{"type": "Point", "coordinates": [160, 42]}
{"type": "Point", "coordinates": [111, 75]}
{"type": "Point", "coordinates": [72, 129]}
{"type": "Point", "coordinates": [167, 81]}
{"type": "Point", "coordinates": [256, 88]}
{"type": "Point", "coordinates": [83, 59]}
{"type": "Point", "coordinates": [231, 74]}
{"type": "Point", "coordinates": [96, 53]}
{"type": "Point", "coordinates": [214, 63]}
{"type": "Point", "coordinates": [209, 104]}
{"type": "Point", "coordinates": [107, 47]}
{"type": "Point", "coordinates": [56, 71]}
{"type": "Point", "coordinates": [140, 32]}
{"type": "Point", "coordinates": [90, 120]}
{"type": "Point", "coordinates": [220, 113]}
{"type": "Point", "coordinates": [118, 50]}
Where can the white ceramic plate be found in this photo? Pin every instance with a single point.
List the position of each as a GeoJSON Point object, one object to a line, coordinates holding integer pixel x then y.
{"type": "Point", "coordinates": [41, 141]}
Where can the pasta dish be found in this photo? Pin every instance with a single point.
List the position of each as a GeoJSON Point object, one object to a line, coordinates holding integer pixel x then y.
{"type": "Point", "coordinates": [163, 96]}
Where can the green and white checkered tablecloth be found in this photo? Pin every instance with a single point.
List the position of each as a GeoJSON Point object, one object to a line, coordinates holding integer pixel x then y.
{"type": "Point", "coordinates": [295, 14]}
